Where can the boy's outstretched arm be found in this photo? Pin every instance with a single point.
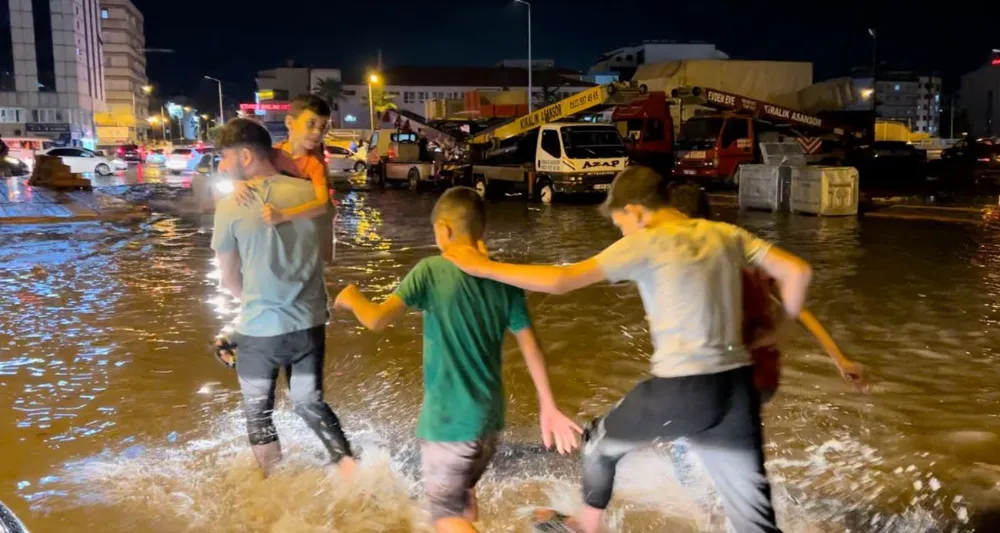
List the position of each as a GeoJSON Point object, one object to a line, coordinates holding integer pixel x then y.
{"type": "Point", "coordinates": [371, 315]}
{"type": "Point", "coordinates": [556, 427]}
{"type": "Point", "coordinates": [793, 275]}
{"type": "Point", "coordinates": [551, 279]}
{"type": "Point", "coordinates": [852, 372]}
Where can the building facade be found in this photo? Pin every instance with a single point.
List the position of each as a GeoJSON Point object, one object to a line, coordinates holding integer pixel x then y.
{"type": "Point", "coordinates": [126, 96]}
{"type": "Point", "coordinates": [624, 61]}
{"type": "Point", "coordinates": [51, 69]}
{"type": "Point", "coordinates": [907, 97]}
{"type": "Point", "coordinates": [979, 99]}
{"type": "Point", "coordinates": [413, 88]}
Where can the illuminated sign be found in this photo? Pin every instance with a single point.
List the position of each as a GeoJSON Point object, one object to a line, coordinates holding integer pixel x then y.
{"type": "Point", "coordinates": [271, 106]}
{"type": "Point", "coordinates": [266, 95]}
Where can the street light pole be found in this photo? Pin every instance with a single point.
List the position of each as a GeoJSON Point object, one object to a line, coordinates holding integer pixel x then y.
{"type": "Point", "coordinates": [371, 102]}
{"type": "Point", "coordinates": [218, 81]}
{"type": "Point", "coordinates": [871, 31]}
{"type": "Point", "coordinates": [530, 65]}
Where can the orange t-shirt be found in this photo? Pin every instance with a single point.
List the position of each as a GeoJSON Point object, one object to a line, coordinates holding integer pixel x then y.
{"type": "Point", "coordinates": [311, 166]}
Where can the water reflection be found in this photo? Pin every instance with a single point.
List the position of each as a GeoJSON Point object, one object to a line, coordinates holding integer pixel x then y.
{"type": "Point", "coordinates": [121, 421]}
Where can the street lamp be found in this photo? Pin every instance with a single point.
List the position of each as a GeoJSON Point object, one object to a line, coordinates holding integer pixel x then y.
{"type": "Point", "coordinates": [525, 2]}
{"type": "Point", "coordinates": [205, 118]}
{"type": "Point", "coordinates": [221, 115]}
{"type": "Point", "coordinates": [372, 78]}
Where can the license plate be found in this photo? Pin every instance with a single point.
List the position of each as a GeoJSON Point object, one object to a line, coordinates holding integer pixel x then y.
{"type": "Point", "coordinates": [602, 187]}
{"type": "Point", "coordinates": [688, 172]}
{"type": "Point", "coordinates": [695, 155]}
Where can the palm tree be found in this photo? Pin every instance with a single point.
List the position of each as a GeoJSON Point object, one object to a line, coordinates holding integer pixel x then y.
{"type": "Point", "coordinates": [382, 100]}
{"type": "Point", "coordinates": [331, 90]}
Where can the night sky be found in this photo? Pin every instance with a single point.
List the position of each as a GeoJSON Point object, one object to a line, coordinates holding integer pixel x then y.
{"type": "Point", "coordinates": [232, 39]}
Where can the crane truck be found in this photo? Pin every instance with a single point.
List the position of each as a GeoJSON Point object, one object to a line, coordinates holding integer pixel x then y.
{"type": "Point", "coordinates": [712, 146]}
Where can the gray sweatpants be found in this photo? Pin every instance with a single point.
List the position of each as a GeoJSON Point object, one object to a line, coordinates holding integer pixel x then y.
{"type": "Point", "coordinates": [718, 414]}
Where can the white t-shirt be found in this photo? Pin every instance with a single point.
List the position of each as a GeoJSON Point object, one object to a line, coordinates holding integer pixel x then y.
{"type": "Point", "coordinates": [689, 276]}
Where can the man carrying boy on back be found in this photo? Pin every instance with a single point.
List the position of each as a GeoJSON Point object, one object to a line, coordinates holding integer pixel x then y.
{"type": "Point", "coordinates": [277, 274]}
{"type": "Point", "coordinates": [465, 320]}
{"type": "Point", "coordinates": [688, 274]}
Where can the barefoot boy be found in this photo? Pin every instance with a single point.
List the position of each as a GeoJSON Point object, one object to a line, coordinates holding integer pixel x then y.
{"type": "Point", "coordinates": [465, 320]}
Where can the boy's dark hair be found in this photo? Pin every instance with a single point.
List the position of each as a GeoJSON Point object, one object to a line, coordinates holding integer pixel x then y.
{"type": "Point", "coordinates": [244, 133]}
{"type": "Point", "coordinates": [309, 102]}
{"type": "Point", "coordinates": [690, 199]}
{"type": "Point", "coordinates": [636, 185]}
{"type": "Point", "coordinates": [464, 207]}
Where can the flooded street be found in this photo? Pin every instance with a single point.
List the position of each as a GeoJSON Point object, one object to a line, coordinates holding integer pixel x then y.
{"type": "Point", "coordinates": [119, 418]}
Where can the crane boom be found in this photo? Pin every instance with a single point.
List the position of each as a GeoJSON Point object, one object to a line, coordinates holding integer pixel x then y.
{"type": "Point", "coordinates": [592, 100]}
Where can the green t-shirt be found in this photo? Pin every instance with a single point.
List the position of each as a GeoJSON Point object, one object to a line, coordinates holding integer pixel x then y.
{"type": "Point", "coordinates": [465, 319]}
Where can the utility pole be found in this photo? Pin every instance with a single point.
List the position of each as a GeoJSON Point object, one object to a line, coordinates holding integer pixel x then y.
{"type": "Point", "coordinates": [871, 31]}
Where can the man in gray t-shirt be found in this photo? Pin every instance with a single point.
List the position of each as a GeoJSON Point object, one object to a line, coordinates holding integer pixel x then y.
{"type": "Point", "coordinates": [688, 272]}
{"type": "Point", "coordinates": [277, 273]}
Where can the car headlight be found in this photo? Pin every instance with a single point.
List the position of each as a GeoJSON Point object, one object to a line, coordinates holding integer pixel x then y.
{"type": "Point", "coordinates": [224, 185]}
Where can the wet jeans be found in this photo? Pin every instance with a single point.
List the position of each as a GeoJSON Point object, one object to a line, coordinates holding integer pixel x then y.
{"type": "Point", "coordinates": [301, 354]}
{"type": "Point", "coordinates": [719, 417]}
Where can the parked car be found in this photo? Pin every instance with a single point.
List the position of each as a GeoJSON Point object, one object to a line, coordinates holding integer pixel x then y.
{"type": "Point", "coordinates": [970, 162]}
{"type": "Point", "coordinates": [82, 161]}
{"type": "Point", "coordinates": [207, 185]}
{"type": "Point", "coordinates": [343, 160]}
{"type": "Point", "coordinates": [156, 157]}
{"type": "Point", "coordinates": [117, 163]}
{"type": "Point", "coordinates": [183, 159]}
{"type": "Point", "coordinates": [131, 153]}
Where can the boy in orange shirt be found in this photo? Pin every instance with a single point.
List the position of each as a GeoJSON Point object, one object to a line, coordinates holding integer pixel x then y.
{"type": "Point", "coordinates": [300, 156]}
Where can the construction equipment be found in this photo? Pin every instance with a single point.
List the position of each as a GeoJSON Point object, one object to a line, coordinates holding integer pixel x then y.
{"type": "Point", "coordinates": [591, 100]}
{"type": "Point", "coordinates": [714, 145]}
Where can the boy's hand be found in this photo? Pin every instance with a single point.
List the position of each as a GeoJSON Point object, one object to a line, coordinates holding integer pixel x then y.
{"type": "Point", "coordinates": [243, 193]}
{"type": "Point", "coordinates": [346, 296]}
{"type": "Point", "coordinates": [854, 374]}
{"type": "Point", "coordinates": [559, 429]}
{"type": "Point", "coordinates": [272, 215]}
{"type": "Point", "coordinates": [470, 260]}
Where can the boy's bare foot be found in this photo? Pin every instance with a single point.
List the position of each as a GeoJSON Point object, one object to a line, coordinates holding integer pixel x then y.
{"type": "Point", "coordinates": [347, 467]}
{"type": "Point", "coordinates": [454, 524]}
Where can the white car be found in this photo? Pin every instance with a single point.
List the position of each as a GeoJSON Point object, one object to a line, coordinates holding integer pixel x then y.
{"type": "Point", "coordinates": [82, 161]}
{"type": "Point", "coordinates": [343, 160]}
{"type": "Point", "coordinates": [183, 159]}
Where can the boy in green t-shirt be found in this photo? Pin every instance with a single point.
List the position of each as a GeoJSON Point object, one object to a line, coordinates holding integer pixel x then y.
{"type": "Point", "coordinates": [465, 320]}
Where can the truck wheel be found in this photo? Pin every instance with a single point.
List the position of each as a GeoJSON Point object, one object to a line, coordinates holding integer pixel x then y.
{"type": "Point", "coordinates": [413, 179]}
{"type": "Point", "coordinates": [546, 193]}
{"type": "Point", "coordinates": [377, 175]}
{"type": "Point", "coordinates": [481, 186]}
{"type": "Point", "coordinates": [359, 167]}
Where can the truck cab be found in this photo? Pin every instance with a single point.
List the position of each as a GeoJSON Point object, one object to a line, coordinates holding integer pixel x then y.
{"type": "Point", "coordinates": [713, 146]}
{"type": "Point", "coordinates": [647, 128]}
{"type": "Point", "coordinates": [557, 158]}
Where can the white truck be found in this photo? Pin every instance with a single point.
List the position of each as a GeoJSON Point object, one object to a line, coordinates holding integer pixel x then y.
{"type": "Point", "coordinates": [557, 158]}
{"type": "Point", "coordinates": [540, 155]}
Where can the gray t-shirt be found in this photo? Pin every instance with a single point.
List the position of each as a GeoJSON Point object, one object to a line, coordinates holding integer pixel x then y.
{"type": "Point", "coordinates": [689, 277]}
{"type": "Point", "coordinates": [282, 265]}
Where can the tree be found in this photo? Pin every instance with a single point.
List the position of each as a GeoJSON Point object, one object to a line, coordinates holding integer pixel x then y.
{"type": "Point", "coordinates": [332, 91]}
{"type": "Point", "coordinates": [382, 100]}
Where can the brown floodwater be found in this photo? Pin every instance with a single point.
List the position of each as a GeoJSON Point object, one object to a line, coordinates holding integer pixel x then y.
{"type": "Point", "coordinates": [118, 418]}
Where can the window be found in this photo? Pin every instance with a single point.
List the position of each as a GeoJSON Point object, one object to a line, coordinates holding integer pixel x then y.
{"type": "Point", "coordinates": [736, 129]}
{"type": "Point", "coordinates": [6, 51]}
{"type": "Point", "coordinates": [628, 57]}
{"type": "Point", "coordinates": [421, 96]}
{"type": "Point", "coordinates": [104, 13]}
{"type": "Point", "coordinates": [654, 130]}
{"type": "Point", "coordinates": [408, 97]}
{"type": "Point", "coordinates": [36, 115]}
{"type": "Point", "coordinates": [550, 143]}
{"type": "Point", "coordinates": [44, 47]}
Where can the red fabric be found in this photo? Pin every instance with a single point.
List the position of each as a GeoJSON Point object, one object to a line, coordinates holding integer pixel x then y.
{"type": "Point", "coordinates": [758, 321]}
